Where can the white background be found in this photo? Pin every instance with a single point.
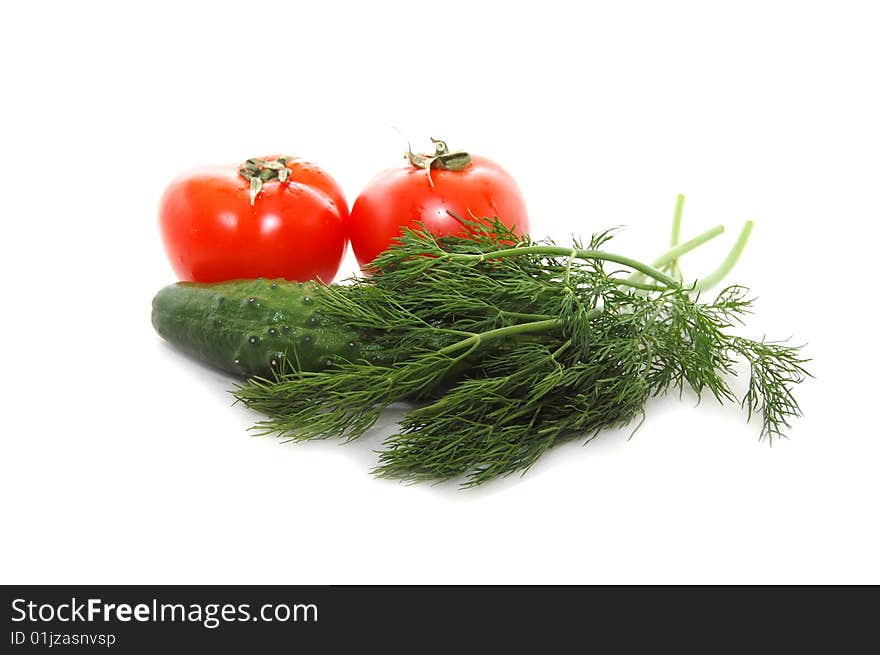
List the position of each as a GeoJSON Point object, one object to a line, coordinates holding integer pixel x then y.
{"type": "Point", "coordinates": [123, 462]}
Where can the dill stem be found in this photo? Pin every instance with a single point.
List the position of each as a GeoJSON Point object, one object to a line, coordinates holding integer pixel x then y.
{"type": "Point", "coordinates": [644, 286]}
{"type": "Point", "coordinates": [723, 269]}
{"type": "Point", "coordinates": [676, 234]}
{"type": "Point", "coordinates": [499, 333]}
{"type": "Point", "coordinates": [674, 253]}
{"type": "Point", "coordinates": [676, 220]}
{"type": "Point", "coordinates": [523, 316]}
{"type": "Point", "coordinates": [556, 251]}
{"type": "Point", "coordinates": [729, 262]}
{"type": "Point", "coordinates": [509, 330]}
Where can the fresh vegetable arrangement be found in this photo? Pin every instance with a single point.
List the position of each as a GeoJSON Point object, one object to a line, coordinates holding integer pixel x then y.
{"type": "Point", "coordinates": [503, 345]}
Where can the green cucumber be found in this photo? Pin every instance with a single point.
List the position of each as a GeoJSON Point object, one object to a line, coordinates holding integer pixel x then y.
{"type": "Point", "coordinates": [253, 328]}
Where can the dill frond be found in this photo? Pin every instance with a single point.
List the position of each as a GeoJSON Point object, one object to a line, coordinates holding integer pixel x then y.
{"type": "Point", "coordinates": [507, 346]}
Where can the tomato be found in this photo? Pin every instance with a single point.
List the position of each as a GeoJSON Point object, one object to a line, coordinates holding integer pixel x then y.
{"type": "Point", "coordinates": [272, 217]}
{"type": "Point", "coordinates": [406, 196]}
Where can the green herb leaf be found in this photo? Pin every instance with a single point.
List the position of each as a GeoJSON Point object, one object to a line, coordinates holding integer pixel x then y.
{"type": "Point", "coordinates": [507, 346]}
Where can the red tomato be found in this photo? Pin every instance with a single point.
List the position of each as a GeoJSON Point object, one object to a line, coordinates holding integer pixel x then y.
{"type": "Point", "coordinates": [293, 227]}
{"type": "Point", "coordinates": [466, 185]}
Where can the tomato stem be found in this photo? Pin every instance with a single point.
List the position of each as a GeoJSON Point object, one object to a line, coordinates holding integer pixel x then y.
{"type": "Point", "coordinates": [441, 159]}
{"type": "Point", "coordinates": [256, 171]}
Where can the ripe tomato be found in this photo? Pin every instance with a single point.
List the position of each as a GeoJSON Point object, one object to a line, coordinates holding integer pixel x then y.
{"type": "Point", "coordinates": [406, 196]}
{"type": "Point", "coordinates": [271, 217]}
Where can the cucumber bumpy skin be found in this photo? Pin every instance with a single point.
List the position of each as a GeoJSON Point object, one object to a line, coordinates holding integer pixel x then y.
{"type": "Point", "coordinates": [253, 328]}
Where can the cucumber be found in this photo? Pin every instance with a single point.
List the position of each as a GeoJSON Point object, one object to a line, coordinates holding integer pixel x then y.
{"type": "Point", "coordinates": [253, 328]}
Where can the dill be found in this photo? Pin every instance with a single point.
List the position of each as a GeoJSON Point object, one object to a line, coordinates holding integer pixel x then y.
{"type": "Point", "coordinates": [506, 347]}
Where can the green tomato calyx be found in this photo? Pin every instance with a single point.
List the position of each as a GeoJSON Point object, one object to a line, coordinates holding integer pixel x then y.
{"type": "Point", "coordinates": [256, 171]}
{"type": "Point", "coordinates": [440, 159]}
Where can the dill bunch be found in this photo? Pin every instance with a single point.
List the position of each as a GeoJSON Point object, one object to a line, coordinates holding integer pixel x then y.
{"type": "Point", "coordinates": [506, 347]}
